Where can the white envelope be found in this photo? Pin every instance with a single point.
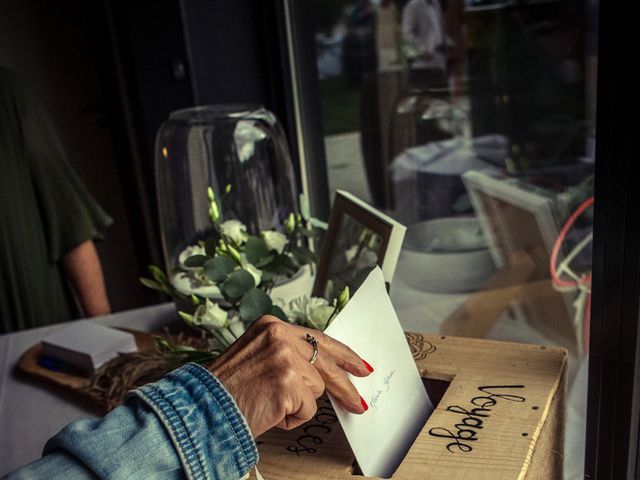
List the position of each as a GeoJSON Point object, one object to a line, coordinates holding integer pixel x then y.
{"type": "Point", "coordinates": [398, 402]}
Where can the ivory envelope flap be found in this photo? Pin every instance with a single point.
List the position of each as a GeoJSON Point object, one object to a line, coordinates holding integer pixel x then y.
{"type": "Point", "coordinates": [398, 402]}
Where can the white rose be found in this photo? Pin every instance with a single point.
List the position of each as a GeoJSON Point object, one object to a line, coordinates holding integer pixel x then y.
{"type": "Point", "coordinates": [318, 312]}
{"type": "Point", "coordinates": [210, 315]}
{"type": "Point", "coordinates": [315, 311]}
{"type": "Point", "coordinates": [274, 240]}
{"type": "Point", "coordinates": [297, 310]}
{"type": "Point", "coordinates": [235, 230]}
{"type": "Point", "coordinates": [190, 252]}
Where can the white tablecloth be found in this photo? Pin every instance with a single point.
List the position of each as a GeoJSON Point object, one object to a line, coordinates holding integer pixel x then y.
{"type": "Point", "coordinates": [31, 411]}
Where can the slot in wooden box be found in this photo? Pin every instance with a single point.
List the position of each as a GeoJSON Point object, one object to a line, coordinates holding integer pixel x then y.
{"type": "Point", "coordinates": [515, 432]}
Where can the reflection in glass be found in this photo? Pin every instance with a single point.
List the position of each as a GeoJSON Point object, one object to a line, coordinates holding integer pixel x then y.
{"type": "Point", "coordinates": [241, 146]}
{"type": "Point", "coordinates": [355, 254]}
{"type": "Point", "coordinates": [480, 110]}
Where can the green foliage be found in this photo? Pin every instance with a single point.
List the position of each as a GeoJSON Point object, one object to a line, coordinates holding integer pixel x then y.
{"type": "Point", "coordinates": [160, 283]}
{"type": "Point", "coordinates": [340, 102]}
{"type": "Point", "coordinates": [184, 353]}
{"type": "Point", "coordinates": [254, 304]}
{"type": "Point", "coordinates": [276, 311]}
{"type": "Point", "coordinates": [237, 284]}
{"type": "Point", "coordinates": [283, 265]}
{"type": "Point", "coordinates": [217, 269]}
{"type": "Point", "coordinates": [257, 251]}
{"type": "Point", "coordinates": [303, 255]}
{"type": "Point", "coordinates": [195, 261]}
{"type": "Point", "coordinates": [228, 263]}
{"type": "Point", "coordinates": [152, 285]}
{"type": "Point", "coordinates": [210, 245]}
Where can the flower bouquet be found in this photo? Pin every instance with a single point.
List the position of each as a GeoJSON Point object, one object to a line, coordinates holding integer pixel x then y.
{"type": "Point", "coordinates": [225, 282]}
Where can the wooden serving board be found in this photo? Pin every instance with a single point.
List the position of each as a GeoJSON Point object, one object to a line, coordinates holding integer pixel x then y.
{"type": "Point", "coordinates": [74, 382]}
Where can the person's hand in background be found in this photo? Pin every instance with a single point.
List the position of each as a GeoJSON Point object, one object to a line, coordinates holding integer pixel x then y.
{"type": "Point", "coordinates": [82, 267]}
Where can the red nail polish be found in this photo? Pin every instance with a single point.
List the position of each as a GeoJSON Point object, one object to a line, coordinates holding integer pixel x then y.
{"type": "Point", "coordinates": [369, 367]}
{"type": "Point", "coordinates": [364, 404]}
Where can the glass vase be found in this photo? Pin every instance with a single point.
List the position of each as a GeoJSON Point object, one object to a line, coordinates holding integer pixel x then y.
{"type": "Point", "coordinates": [238, 149]}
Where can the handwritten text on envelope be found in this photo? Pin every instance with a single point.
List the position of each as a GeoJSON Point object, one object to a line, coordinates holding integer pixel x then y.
{"type": "Point", "coordinates": [398, 403]}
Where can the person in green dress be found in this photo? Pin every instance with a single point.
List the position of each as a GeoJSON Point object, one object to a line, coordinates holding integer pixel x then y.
{"type": "Point", "coordinates": [48, 220]}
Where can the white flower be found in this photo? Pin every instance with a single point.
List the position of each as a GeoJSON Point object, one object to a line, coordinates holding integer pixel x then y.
{"type": "Point", "coordinates": [210, 315]}
{"type": "Point", "coordinates": [235, 230]}
{"type": "Point", "coordinates": [314, 311]}
{"type": "Point", "coordinates": [297, 310]}
{"type": "Point", "coordinates": [190, 252]}
{"type": "Point", "coordinates": [319, 316]}
{"type": "Point", "coordinates": [245, 136]}
{"type": "Point", "coordinates": [274, 240]}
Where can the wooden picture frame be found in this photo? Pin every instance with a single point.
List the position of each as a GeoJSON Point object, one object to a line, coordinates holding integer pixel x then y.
{"type": "Point", "coordinates": [489, 192]}
{"type": "Point", "coordinates": [516, 218]}
{"type": "Point", "coordinates": [347, 215]}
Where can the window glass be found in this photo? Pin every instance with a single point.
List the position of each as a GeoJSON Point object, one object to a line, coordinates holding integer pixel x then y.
{"type": "Point", "coordinates": [472, 123]}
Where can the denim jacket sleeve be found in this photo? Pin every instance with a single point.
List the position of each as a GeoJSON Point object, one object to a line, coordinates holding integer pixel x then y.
{"type": "Point", "coordinates": [183, 426]}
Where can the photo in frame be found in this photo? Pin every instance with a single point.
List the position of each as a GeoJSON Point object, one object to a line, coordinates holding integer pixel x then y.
{"type": "Point", "coordinates": [358, 238]}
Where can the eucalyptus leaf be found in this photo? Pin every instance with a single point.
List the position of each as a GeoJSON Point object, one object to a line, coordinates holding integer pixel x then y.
{"type": "Point", "coordinates": [303, 255]}
{"type": "Point", "coordinates": [254, 304]}
{"type": "Point", "coordinates": [218, 268]}
{"type": "Point", "coordinates": [284, 265]}
{"type": "Point", "coordinates": [152, 285]}
{"type": "Point", "coordinates": [210, 245]}
{"type": "Point", "coordinates": [268, 276]}
{"type": "Point", "coordinates": [195, 356]}
{"type": "Point", "coordinates": [195, 261]}
{"type": "Point", "coordinates": [276, 311]}
{"type": "Point", "coordinates": [256, 250]}
{"type": "Point", "coordinates": [158, 275]}
{"type": "Point", "coordinates": [265, 261]}
{"type": "Point", "coordinates": [237, 284]}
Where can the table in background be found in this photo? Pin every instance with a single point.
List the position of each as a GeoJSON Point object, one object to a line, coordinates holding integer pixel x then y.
{"type": "Point", "coordinates": [32, 411]}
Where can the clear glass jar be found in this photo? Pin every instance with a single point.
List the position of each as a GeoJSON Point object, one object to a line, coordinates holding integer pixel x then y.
{"type": "Point", "coordinates": [243, 146]}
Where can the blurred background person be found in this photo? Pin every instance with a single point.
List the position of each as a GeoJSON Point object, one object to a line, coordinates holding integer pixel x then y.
{"type": "Point", "coordinates": [424, 34]}
{"type": "Point", "coordinates": [48, 221]}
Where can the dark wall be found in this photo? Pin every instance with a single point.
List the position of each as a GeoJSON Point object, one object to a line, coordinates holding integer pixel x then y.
{"type": "Point", "coordinates": [60, 49]}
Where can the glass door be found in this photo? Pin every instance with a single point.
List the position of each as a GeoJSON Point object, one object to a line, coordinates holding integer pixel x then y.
{"type": "Point", "coordinates": [473, 123]}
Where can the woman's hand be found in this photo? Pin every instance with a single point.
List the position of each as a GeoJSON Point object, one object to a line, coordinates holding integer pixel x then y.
{"type": "Point", "coordinates": [267, 371]}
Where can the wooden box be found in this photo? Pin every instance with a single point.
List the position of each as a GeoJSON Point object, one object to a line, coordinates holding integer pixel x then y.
{"type": "Point", "coordinates": [500, 417]}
